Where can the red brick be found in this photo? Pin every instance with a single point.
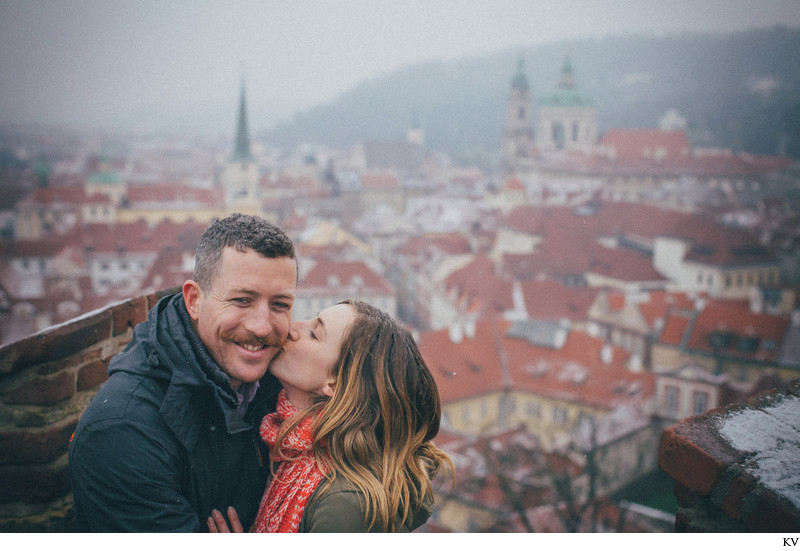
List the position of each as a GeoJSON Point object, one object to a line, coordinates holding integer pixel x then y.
{"type": "Point", "coordinates": [92, 375]}
{"type": "Point", "coordinates": [739, 488]}
{"type": "Point", "coordinates": [153, 298]}
{"type": "Point", "coordinates": [22, 447]}
{"type": "Point", "coordinates": [683, 523]}
{"type": "Point", "coordinates": [684, 496]}
{"type": "Point", "coordinates": [33, 484]}
{"type": "Point", "coordinates": [693, 454]}
{"type": "Point", "coordinates": [76, 359]}
{"type": "Point", "coordinates": [128, 314]}
{"type": "Point", "coordinates": [57, 343]}
{"type": "Point", "coordinates": [42, 391]}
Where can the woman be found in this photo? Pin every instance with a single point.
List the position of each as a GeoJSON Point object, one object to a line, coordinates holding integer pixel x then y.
{"type": "Point", "coordinates": [353, 430]}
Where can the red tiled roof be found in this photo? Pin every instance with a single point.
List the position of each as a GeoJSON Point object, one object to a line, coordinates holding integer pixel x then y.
{"type": "Point", "coordinates": [675, 326]}
{"type": "Point", "coordinates": [174, 193]}
{"type": "Point", "coordinates": [513, 184]}
{"type": "Point", "coordinates": [570, 236]}
{"type": "Point", "coordinates": [735, 319]}
{"type": "Point", "coordinates": [379, 181]}
{"type": "Point", "coordinates": [575, 372]}
{"type": "Point", "coordinates": [630, 144]}
{"type": "Point", "coordinates": [167, 270]}
{"type": "Point", "coordinates": [477, 284]}
{"type": "Point", "coordinates": [616, 301]}
{"type": "Point", "coordinates": [550, 300]}
{"type": "Point", "coordinates": [622, 265]}
{"type": "Point", "coordinates": [347, 274]}
{"type": "Point", "coordinates": [654, 306]}
{"type": "Point", "coordinates": [447, 243]}
{"type": "Point", "coordinates": [47, 197]}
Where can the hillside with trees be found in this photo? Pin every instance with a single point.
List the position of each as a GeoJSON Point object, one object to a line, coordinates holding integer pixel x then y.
{"type": "Point", "coordinates": [739, 90]}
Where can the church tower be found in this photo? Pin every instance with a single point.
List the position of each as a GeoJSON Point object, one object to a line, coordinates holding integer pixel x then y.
{"type": "Point", "coordinates": [518, 137]}
{"type": "Point", "coordinates": [567, 117]}
{"type": "Point", "coordinates": [241, 175]}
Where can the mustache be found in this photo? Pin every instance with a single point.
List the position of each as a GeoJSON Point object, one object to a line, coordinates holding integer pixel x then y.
{"type": "Point", "coordinates": [254, 340]}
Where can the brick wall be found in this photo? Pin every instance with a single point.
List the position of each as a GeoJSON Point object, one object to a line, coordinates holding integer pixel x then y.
{"type": "Point", "coordinates": [46, 381]}
{"type": "Point", "coordinates": [736, 469]}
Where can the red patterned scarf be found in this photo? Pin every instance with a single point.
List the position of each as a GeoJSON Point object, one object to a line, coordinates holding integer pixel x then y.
{"type": "Point", "coordinates": [295, 480]}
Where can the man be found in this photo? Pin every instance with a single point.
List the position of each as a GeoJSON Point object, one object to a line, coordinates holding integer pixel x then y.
{"type": "Point", "coordinates": [172, 434]}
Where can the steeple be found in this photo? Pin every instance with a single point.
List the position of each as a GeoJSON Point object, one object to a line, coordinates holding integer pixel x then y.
{"type": "Point", "coordinates": [520, 79]}
{"type": "Point", "coordinates": [567, 78]}
{"type": "Point", "coordinates": [518, 135]}
{"type": "Point", "coordinates": [242, 150]}
{"type": "Point", "coordinates": [241, 175]}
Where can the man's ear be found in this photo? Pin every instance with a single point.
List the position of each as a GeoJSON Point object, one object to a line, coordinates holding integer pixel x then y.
{"type": "Point", "coordinates": [191, 296]}
{"type": "Point", "coordinates": [329, 388]}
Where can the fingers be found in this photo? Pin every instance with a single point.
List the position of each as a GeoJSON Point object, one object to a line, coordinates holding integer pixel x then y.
{"type": "Point", "coordinates": [216, 523]}
{"type": "Point", "coordinates": [236, 524]}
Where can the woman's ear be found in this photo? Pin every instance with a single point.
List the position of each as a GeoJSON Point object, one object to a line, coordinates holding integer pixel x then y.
{"type": "Point", "coordinates": [329, 388]}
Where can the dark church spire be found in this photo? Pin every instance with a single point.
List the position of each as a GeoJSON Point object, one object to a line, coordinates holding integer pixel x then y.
{"type": "Point", "coordinates": [242, 150]}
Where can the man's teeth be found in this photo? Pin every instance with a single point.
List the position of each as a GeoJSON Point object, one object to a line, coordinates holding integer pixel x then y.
{"type": "Point", "coordinates": [252, 347]}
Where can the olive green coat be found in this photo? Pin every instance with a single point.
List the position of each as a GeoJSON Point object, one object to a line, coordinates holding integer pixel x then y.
{"type": "Point", "coordinates": [341, 509]}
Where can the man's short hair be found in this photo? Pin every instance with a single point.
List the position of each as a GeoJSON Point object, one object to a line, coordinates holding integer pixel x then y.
{"type": "Point", "coordinates": [242, 232]}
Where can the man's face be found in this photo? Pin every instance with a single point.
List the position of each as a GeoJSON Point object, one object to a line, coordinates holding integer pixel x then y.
{"type": "Point", "coordinates": [244, 318]}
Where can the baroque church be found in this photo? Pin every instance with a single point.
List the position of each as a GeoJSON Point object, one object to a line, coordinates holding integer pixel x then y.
{"type": "Point", "coordinates": [567, 120]}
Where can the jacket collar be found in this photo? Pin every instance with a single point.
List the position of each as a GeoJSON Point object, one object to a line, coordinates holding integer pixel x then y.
{"type": "Point", "coordinates": [196, 377]}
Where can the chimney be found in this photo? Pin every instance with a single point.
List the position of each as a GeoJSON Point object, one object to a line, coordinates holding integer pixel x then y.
{"type": "Point", "coordinates": [456, 333]}
{"type": "Point", "coordinates": [469, 328]}
{"type": "Point", "coordinates": [606, 354]}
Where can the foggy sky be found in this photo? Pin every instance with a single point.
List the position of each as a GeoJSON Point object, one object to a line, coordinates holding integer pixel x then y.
{"type": "Point", "coordinates": [177, 64]}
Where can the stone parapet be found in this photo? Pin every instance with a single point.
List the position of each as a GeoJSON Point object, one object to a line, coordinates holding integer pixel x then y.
{"type": "Point", "coordinates": [736, 469]}
{"type": "Point", "coordinates": [46, 381]}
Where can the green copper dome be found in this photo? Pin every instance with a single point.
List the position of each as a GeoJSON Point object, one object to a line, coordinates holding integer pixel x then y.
{"type": "Point", "coordinates": [567, 94]}
{"type": "Point", "coordinates": [106, 177]}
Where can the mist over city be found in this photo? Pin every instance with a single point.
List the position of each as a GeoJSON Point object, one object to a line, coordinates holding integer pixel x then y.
{"type": "Point", "coordinates": [587, 214]}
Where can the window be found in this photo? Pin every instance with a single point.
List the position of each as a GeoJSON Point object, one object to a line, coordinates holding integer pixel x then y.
{"type": "Point", "coordinates": [559, 414]}
{"type": "Point", "coordinates": [533, 410]}
{"type": "Point", "coordinates": [699, 402]}
{"type": "Point", "coordinates": [671, 398]}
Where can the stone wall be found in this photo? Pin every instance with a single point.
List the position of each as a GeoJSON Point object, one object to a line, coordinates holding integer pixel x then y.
{"type": "Point", "coordinates": [736, 469]}
{"type": "Point", "coordinates": [46, 381]}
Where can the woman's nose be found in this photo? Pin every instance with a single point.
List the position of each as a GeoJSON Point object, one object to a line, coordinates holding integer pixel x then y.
{"type": "Point", "coordinates": [294, 330]}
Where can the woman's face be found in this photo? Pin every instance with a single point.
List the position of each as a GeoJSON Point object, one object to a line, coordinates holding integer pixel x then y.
{"type": "Point", "coordinates": [305, 365]}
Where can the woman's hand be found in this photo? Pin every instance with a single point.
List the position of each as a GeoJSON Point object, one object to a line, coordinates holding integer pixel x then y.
{"type": "Point", "coordinates": [217, 525]}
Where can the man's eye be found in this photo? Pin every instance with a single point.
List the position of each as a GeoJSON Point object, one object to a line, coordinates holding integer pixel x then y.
{"type": "Point", "coordinates": [282, 306]}
{"type": "Point", "coordinates": [240, 301]}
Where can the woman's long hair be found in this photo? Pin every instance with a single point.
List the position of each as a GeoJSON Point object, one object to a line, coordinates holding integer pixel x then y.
{"type": "Point", "coordinates": [376, 430]}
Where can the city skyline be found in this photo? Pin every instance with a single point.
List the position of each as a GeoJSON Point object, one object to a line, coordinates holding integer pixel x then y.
{"type": "Point", "coordinates": [150, 66]}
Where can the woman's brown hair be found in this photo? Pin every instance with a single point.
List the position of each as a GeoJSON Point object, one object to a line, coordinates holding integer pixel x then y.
{"type": "Point", "coordinates": [377, 429]}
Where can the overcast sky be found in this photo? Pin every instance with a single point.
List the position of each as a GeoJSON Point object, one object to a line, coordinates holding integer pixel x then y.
{"type": "Point", "coordinates": [111, 62]}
